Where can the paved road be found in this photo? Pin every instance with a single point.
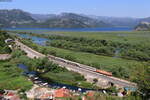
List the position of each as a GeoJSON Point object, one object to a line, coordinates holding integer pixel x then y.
{"type": "Point", "coordinates": [85, 70]}
{"type": "Point", "coordinates": [4, 56]}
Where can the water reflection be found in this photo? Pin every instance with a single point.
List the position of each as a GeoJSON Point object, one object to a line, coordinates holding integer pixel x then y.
{"type": "Point", "coordinates": [35, 39]}
{"type": "Point", "coordinates": [33, 75]}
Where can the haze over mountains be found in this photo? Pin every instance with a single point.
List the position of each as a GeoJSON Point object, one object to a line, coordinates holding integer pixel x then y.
{"type": "Point", "coordinates": [19, 18]}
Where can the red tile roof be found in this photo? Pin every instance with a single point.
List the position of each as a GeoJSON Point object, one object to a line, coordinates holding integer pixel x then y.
{"type": "Point", "coordinates": [62, 93]}
{"type": "Point", "coordinates": [10, 94]}
{"type": "Point", "coordinates": [90, 93]}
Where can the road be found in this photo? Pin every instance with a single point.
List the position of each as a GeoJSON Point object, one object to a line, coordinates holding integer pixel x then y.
{"type": "Point", "coordinates": [87, 71]}
{"type": "Point", "coordinates": [4, 56]}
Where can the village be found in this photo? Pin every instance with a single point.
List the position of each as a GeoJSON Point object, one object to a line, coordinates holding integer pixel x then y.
{"type": "Point", "coordinates": [42, 91]}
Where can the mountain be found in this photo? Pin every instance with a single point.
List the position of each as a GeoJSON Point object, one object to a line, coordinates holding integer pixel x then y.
{"type": "Point", "coordinates": [19, 18]}
{"type": "Point", "coordinates": [71, 20]}
{"type": "Point", "coordinates": [42, 17]}
{"type": "Point", "coordinates": [118, 21]}
{"type": "Point", "coordinates": [143, 26]}
{"type": "Point", "coordinates": [12, 18]}
{"type": "Point", "coordinates": [145, 19]}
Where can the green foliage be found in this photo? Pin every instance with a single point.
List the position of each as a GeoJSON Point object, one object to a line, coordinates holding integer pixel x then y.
{"type": "Point", "coordinates": [66, 77]}
{"type": "Point", "coordinates": [3, 46]}
{"type": "Point", "coordinates": [113, 89]}
{"type": "Point", "coordinates": [101, 47]}
{"type": "Point", "coordinates": [17, 53]}
{"type": "Point", "coordinates": [100, 96]}
{"type": "Point", "coordinates": [131, 45]}
{"type": "Point", "coordinates": [142, 80]}
{"type": "Point", "coordinates": [119, 67]}
{"type": "Point", "coordinates": [11, 77]}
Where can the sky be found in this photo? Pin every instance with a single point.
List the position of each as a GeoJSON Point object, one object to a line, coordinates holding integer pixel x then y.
{"type": "Point", "coordinates": [115, 8]}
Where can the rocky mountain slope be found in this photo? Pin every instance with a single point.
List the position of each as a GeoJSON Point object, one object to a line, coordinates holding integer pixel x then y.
{"type": "Point", "coordinates": [19, 18]}
{"type": "Point", "coordinates": [12, 18]}
{"type": "Point", "coordinates": [143, 26]}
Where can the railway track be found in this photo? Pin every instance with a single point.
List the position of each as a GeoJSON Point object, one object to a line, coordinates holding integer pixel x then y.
{"type": "Point", "coordinates": [77, 67]}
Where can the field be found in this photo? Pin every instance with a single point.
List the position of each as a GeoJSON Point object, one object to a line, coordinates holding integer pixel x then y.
{"type": "Point", "coordinates": [120, 36]}
{"type": "Point", "coordinates": [11, 78]}
{"type": "Point", "coordinates": [125, 37]}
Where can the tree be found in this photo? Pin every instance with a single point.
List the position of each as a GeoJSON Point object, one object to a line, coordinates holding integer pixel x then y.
{"type": "Point", "coordinates": [95, 80]}
{"type": "Point", "coordinates": [143, 80]}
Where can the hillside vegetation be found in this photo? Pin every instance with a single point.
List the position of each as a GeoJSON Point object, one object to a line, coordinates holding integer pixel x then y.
{"type": "Point", "coordinates": [3, 46]}
{"type": "Point", "coordinates": [13, 18]}
{"type": "Point", "coordinates": [18, 18]}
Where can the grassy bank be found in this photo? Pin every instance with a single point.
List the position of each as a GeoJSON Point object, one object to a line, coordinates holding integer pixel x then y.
{"type": "Point", "coordinates": [11, 78]}
{"type": "Point", "coordinates": [51, 72]}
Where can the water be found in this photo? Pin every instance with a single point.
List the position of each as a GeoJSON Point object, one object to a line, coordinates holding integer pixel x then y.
{"type": "Point", "coordinates": [72, 29]}
{"type": "Point", "coordinates": [26, 71]}
{"type": "Point", "coordinates": [117, 52]}
{"type": "Point", "coordinates": [35, 39]}
{"type": "Point", "coordinates": [54, 85]}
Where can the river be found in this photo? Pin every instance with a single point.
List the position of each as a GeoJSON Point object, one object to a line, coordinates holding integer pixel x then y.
{"type": "Point", "coordinates": [35, 39]}
{"type": "Point", "coordinates": [28, 73]}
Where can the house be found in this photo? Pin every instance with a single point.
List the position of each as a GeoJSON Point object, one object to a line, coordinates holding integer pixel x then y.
{"type": "Point", "coordinates": [40, 93]}
{"type": "Point", "coordinates": [90, 93]}
{"type": "Point", "coordinates": [62, 93]}
{"type": "Point", "coordinates": [11, 95]}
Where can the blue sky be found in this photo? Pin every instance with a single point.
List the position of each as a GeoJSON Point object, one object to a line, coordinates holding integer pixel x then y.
{"type": "Point", "coordinates": [117, 8]}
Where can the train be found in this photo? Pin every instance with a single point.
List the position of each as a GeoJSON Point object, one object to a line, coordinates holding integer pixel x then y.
{"type": "Point", "coordinates": [104, 72]}
{"type": "Point", "coordinates": [80, 65]}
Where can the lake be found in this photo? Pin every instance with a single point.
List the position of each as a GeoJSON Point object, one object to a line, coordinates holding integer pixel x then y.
{"type": "Point", "coordinates": [73, 29]}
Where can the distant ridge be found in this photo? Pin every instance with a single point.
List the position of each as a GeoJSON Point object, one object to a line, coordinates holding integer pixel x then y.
{"type": "Point", "coordinates": [14, 17]}
{"type": "Point", "coordinates": [143, 26]}
{"type": "Point", "coordinates": [19, 18]}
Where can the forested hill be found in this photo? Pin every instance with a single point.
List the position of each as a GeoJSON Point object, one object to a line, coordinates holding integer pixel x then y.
{"type": "Point", "coordinates": [71, 20]}
{"type": "Point", "coordinates": [11, 18]}
{"type": "Point", "coordinates": [19, 18]}
{"type": "Point", "coordinates": [3, 46]}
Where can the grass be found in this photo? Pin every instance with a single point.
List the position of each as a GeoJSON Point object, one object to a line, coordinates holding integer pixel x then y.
{"type": "Point", "coordinates": [69, 77]}
{"type": "Point", "coordinates": [90, 59]}
{"type": "Point", "coordinates": [55, 75]}
{"type": "Point", "coordinates": [126, 37]}
{"type": "Point", "coordinates": [119, 36]}
{"type": "Point", "coordinates": [107, 63]}
{"type": "Point", "coordinates": [10, 77]}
